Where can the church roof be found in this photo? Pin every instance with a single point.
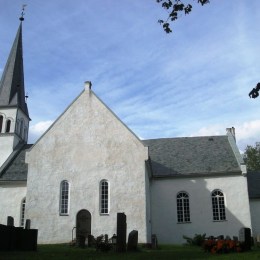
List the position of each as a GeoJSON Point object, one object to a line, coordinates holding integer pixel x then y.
{"type": "Point", "coordinates": [15, 168]}
{"type": "Point", "coordinates": [12, 81]}
{"type": "Point", "coordinates": [253, 182]}
{"type": "Point", "coordinates": [192, 156]}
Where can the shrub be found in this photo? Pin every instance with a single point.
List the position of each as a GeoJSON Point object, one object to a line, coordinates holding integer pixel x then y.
{"type": "Point", "coordinates": [198, 240]}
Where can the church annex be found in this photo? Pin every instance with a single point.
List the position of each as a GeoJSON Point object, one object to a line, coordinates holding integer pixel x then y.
{"type": "Point", "coordinates": [89, 165]}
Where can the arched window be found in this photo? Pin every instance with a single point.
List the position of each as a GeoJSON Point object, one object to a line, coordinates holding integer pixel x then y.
{"type": "Point", "coordinates": [8, 126]}
{"type": "Point", "coordinates": [22, 212]}
{"type": "Point", "coordinates": [64, 198]}
{"type": "Point", "coordinates": [183, 207]}
{"type": "Point", "coordinates": [104, 197]}
{"type": "Point", "coordinates": [1, 123]}
{"type": "Point", "coordinates": [218, 205]}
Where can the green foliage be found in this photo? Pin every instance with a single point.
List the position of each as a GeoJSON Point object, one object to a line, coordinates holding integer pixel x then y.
{"type": "Point", "coordinates": [174, 8]}
{"type": "Point", "coordinates": [252, 157]}
{"type": "Point", "coordinates": [197, 240]}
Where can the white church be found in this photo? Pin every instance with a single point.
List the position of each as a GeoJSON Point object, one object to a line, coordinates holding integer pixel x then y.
{"type": "Point", "coordinates": [89, 166]}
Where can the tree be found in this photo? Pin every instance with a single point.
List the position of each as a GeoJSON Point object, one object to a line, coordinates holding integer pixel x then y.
{"type": "Point", "coordinates": [252, 157]}
{"type": "Point", "coordinates": [174, 8]}
{"type": "Point", "coordinates": [254, 92]}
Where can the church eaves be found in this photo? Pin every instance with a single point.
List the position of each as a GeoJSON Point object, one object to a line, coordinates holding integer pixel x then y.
{"type": "Point", "coordinates": [12, 92]}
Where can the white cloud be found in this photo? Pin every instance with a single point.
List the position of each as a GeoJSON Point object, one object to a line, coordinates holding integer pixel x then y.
{"type": "Point", "coordinates": [38, 129]}
{"type": "Point", "coordinates": [247, 132]}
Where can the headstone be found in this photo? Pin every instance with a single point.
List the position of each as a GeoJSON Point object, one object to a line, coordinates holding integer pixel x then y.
{"type": "Point", "coordinates": [154, 241]}
{"type": "Point", "coordinates": [121, 232]}
{"type": "Point", "coordinates": [245, 237]}
{"type": "Point", "coordinates": [27, 224]}
{"type": "Point", "coordinates": [235, 238]}
{"type": "Point", "coordinates": [10, 221]}
{"type": "Point", "coordinates": [132, 240]}
{"type": "Point", "coordinates": [106, 238]}
{"type": "Point", "coordinates": [258, 240]}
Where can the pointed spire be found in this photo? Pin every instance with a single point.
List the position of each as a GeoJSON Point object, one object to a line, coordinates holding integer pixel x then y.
{"type": "Point", "coordinates": [12, 83]}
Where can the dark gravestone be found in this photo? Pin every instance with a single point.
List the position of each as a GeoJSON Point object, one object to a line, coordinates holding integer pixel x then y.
{"type": "Point", "coordinates": [121, 232]}
{"type": "Point", "coordinates": [154, 241]}
{"type": "Point", "coordinates": [245, 237]}
{"type": "Point", "coordinates": [17, 238]}
{"type": "Point", "coordinates": [10, 221]}
{"type": "Point", "coordinates": [27, 224]}
{"type": "Point", "coordinates": [132, 240]}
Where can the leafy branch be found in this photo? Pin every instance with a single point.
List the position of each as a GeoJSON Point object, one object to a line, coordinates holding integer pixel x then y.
{"type": "Point", "coordinates": [254, 92]}
{"type": "Point", "coordinates": [174, 9]}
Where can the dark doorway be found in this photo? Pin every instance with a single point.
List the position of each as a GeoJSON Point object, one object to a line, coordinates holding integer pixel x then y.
{"type": "Point", "coordinates": [83, 224]}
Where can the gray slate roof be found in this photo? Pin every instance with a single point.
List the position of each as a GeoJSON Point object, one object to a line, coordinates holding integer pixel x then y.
{"type": "Point", "coordinates": [12, 81]}
{"type": "Point", "coordinates": [186, 156]}
{"type": "Point", "coordinates": [253, 182]}
{"type": "Point", "coordinates": [15, 168]}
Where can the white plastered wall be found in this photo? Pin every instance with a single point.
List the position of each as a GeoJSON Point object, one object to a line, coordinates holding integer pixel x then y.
{"type": "Point", "coordinates": [164, 208]}
{"type": "Point", "coordinates": [85, 145]}
{"type": "Point", "coordinates": [10, 204]}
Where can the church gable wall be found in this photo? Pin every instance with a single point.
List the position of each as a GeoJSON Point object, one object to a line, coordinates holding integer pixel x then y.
{"type": "Point", "coordinates": [85, 145]}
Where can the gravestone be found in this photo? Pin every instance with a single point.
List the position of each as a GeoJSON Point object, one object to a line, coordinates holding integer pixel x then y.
{"type": "Point", "coordinates": [132, 240]}
{"type": "Point", "coordinates": [154, 241]}
{"type": "Point", "coordinates": [245, 237]}
{"type": "Point", "coordinates": [121, 232]}
{"type": "Point", "coordinates": [10, 221]}
{"type": "Point", "coordinates": [27, 224]}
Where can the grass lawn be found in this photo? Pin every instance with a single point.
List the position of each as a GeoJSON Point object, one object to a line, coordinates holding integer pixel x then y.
{"type": "Point", "coordinates": [165, 252]}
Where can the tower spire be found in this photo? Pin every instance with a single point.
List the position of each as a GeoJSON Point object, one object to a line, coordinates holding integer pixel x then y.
{"type": "Point", "coordinates": [12, 92]}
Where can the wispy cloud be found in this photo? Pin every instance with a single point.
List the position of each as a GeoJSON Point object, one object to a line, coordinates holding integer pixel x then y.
{"type": "Point", "coordinates": [193, 82]}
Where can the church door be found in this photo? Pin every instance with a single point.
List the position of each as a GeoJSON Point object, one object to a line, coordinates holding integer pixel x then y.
{"type": "Point", "coordinates": [83, 224]}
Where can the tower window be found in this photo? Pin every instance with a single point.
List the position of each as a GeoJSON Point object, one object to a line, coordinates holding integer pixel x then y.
{"type": "Point", "coordinates": [8, 126]}
{"type": "Point", "coordinates": [1, 123]}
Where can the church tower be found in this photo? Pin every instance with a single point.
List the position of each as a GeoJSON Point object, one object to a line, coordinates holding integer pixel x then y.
{"type": "Point", "coordinates": [14, 116]}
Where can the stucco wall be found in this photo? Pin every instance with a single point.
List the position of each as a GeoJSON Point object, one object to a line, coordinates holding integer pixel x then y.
{"type": "Point", "coordinates": [85, 145]}
{"type": "Point", "coordinates": [255, 213]}
{"type": "Point", "coordinates": [164, 208]}
{"type": "Point", "coordinates": [10, 140]}
{"type": "Point", "coordinates": [10, 204]}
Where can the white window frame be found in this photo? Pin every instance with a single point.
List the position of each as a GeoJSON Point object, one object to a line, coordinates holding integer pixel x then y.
{"type": "Point", "coordinates": [218, 205]}
{"type": "Point", "coordinates": [64, 199]}
{"type": "Point", "coordinates": [104, 197]}
{"type": "Point", "coordinates": [22, 212]}
{"type": "Point", "coordinates": [183, 207]}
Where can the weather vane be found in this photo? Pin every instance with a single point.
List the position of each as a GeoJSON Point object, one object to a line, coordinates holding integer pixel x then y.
{"type": "Point", "coordinates": [23, 13]}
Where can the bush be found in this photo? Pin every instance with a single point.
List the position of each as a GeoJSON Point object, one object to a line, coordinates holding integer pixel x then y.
{"type": "Point", "coordinates": [198, 240]}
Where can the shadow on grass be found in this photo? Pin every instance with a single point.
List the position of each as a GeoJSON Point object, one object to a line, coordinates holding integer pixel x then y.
{"type": "Point", "coordinates": [164, 252]}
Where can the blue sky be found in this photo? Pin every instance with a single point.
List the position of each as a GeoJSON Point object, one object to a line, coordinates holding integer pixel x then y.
{"type": "Point", "coordinates": [192, 82]}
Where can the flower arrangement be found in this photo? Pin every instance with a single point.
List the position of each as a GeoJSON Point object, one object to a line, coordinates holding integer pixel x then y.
{"type": "Point", "coordinates": [220, 246]}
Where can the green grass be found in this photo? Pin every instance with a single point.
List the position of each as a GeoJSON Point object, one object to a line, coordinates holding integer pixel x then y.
{"type": "Point", "coordinates": [165, 252]}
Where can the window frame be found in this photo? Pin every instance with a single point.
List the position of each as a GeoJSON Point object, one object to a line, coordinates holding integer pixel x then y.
{"type": "Point", "coordinates": [183, 207]}
{"type": "Point", "coordinates": [104, 198]}
{"type": "Point", "coordinates": [62, 204]}
{"type": "Point", "coordinates": [8, 125]}
{"type": "Point", "coordinates": [22, 212]}
{"type": "Point", "coordinates": [218, 205]}
{"type": "Point", "coordinates": [1, 123]}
